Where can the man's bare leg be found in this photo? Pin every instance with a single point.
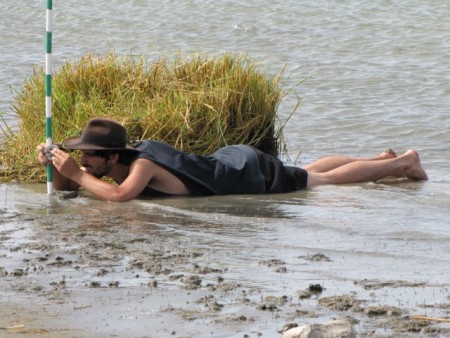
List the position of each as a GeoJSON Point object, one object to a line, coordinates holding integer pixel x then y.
{"type": "Point", "coordinates": [332, 162]}
{"type": "Point", "coordinates": [407, 165]}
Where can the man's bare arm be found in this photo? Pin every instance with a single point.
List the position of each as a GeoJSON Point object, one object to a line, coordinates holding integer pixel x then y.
{"type": "Point", "coordinates": [138, 178]}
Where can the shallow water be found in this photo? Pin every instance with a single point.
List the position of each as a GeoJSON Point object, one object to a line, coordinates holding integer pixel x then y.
{"type": "Point", "coordinates": [261, 246]}
{"type": "Point", "coordinates": [371, 75]}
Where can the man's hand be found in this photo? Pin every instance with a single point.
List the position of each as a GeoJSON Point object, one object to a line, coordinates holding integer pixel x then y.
{"type": "Point", "coordinates": [42, 154]}
{"type": "Point", "coordinates": [64, 163]}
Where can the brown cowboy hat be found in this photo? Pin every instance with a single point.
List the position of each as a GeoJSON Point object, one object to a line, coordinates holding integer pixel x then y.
{"type": "Point", "coordinates": [100, 134]}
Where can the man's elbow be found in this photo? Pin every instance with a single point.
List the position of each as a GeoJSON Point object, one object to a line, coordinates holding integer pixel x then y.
{"type": "Point", "coordinates": [121, 197]}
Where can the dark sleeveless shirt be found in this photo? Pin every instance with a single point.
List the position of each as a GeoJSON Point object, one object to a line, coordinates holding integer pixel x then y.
{"type": "Point", "coordinates": [237, 169]}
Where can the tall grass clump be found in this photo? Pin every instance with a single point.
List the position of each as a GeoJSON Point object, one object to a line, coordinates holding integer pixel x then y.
{"type": "Point", "coordinates": [195, 103]}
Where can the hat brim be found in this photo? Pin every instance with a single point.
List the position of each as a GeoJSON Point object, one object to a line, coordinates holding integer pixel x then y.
{"type": "Point", "coordinates": [75, 143]}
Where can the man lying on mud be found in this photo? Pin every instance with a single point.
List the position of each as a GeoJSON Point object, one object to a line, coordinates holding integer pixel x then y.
{"type": "Point", "coordinates": [152, 168]}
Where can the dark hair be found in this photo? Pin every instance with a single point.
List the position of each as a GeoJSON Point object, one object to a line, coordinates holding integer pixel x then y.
{"type": "Point", "coordinates": [125, 157]}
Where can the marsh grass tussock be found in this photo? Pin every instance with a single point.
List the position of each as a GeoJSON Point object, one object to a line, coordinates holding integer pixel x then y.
{"type": "Point", "coordinates": [195, 103]}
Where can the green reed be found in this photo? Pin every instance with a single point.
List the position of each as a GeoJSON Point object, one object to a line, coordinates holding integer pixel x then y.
{"type": "Point", "coordinates": [195, 103]}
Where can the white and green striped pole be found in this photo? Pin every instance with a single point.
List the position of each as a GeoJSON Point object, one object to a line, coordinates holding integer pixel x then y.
{"type": "Point", "coordinates": [48, 90]}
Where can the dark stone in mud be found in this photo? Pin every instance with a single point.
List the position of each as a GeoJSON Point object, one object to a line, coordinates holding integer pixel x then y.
{"type": "Point", "coordinates": [114, 284]}
{"type": "Point", "coordinates": [19, 272]}
{"type": "Point", "coordinates": [94, 285]}
{"type": "Point", "coordinates": [267, 307]}
{"type": "Point", "coordinates": [318, 257]}
{"type": "Point", "coordinates": [382, 311]}
{"type": "Point", "coordinates": [313, 289]}
{"type": "Point", "coordinates": [65, 195]}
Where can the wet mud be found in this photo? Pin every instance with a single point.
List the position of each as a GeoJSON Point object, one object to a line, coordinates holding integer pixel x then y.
{"type": "Point", "coordinates": [83, 269]}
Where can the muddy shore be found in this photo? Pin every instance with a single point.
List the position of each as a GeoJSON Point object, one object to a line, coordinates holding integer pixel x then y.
{"type": "Point", "coordinates": [76, 267]}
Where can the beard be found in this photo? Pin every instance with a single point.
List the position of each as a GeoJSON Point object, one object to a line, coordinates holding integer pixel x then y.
{"type": "Point", "coordinates": [98, 172]}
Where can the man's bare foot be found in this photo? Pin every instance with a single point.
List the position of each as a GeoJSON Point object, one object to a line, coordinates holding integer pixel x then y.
{"type": "Point", "coordinates": [387, 154]}
{"type": "Point", "coordinates": [415, 170]}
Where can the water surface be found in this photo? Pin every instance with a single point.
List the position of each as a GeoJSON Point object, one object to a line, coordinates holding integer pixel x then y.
{"type": "Point", "coordinates": [370, 74]}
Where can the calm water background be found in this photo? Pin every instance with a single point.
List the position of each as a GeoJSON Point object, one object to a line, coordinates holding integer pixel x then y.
{"type": "Point", "coordinates": [371, 75]}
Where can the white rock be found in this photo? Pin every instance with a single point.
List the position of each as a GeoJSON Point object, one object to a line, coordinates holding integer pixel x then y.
{"type": "Point", "coordinates": [335, 329]}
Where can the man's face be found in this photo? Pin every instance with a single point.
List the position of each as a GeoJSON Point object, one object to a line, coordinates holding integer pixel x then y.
{"type": "Point", "coordinates": [95, 165]}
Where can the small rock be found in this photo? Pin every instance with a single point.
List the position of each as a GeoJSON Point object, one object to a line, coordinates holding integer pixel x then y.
{"type": "Point", "coordinates": [315, 288]}
{"type": "Point", "coordinates": [65, 195]}
{"type": "Point", "coordinates": [382, 311]}
{"type": "Point", "coordinates": [334, 329]}
{"type": "Point", "coordinates": [114, 284]}
{"type": "Point", "coordinates": [194, 279]}
{"type": "Point", "coordinates": [19, 272]}
{"type": "Point", "coordinates": [94, 284]}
